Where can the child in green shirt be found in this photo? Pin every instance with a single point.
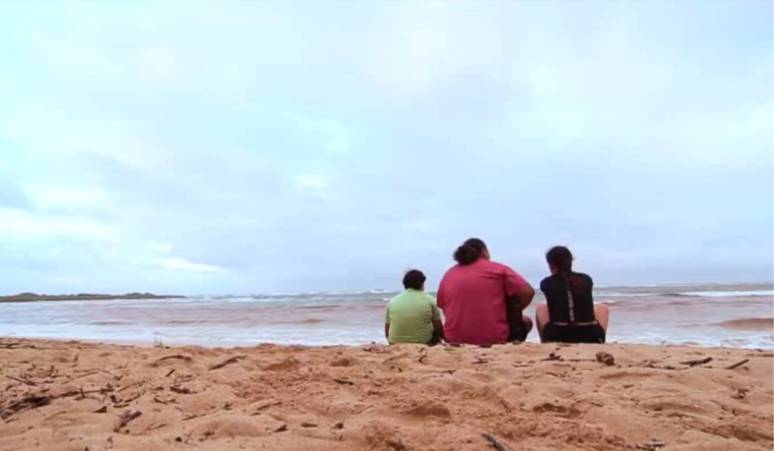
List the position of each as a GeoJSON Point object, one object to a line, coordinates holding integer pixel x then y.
{"type": "Point", "coordinates": [413, 316]}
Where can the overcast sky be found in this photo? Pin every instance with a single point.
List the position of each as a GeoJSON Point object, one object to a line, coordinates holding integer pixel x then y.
{"type": "Point", "coordinates": [292, 146]}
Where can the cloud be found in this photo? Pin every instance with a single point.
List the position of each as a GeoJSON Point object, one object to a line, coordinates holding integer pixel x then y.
{"type": "Point", "coordinates": [27, 226]}
{"type": "Point", "coordinates": [181, 264]}
{"type": "Point", "coordinates": [310, 182]}
{"type": "Point", "coordinates": [255, 143]}
{"type": "Point", "coordinates": [336, 137]}
{"type": "Point", "coordinates": [12, 197]}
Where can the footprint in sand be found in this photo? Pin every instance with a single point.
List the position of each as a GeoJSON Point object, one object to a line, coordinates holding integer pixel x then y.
{"type": "Point", "coordinates": [285, 365]}
{"type": "Point", "coordinates": [565, 412]}
{"type": "Point", "coordinates": [430, 410]}
{"type": "Point", "coordinates": [344, 362]}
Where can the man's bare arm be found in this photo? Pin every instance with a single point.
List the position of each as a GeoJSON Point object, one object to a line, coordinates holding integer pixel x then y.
{"type": "Point", "coordinates": [525, 296]}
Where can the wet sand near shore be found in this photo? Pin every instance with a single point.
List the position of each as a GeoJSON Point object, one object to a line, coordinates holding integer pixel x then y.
{"type": "Point", "coordinates": [76, 396]}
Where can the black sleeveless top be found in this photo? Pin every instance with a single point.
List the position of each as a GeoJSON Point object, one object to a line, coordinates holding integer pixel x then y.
{"type": "Point", "coordinates": [555, 289]}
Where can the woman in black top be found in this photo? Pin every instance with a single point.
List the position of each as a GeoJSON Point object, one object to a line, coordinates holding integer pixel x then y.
{"type": "Point", "coordinates": [569, 315]}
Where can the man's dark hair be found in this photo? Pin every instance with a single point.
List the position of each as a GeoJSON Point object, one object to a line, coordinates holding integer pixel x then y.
{"type": "Point", "coordinates": [414, 279]}
{"type": "Point", "coordinates": [560, 258]}
{"type": "Point", "coordinates": [470, 251]}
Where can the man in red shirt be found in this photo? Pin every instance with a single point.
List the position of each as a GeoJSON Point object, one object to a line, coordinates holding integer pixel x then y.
{"type": "Point", "coordinates": [482, 300]}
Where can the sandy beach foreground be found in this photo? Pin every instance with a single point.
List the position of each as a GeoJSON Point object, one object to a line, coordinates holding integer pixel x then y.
{"type": "Point", "coordinates": [82, 396]}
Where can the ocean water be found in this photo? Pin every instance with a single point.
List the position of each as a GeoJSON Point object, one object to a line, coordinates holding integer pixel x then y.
{"type": "Point", "coordinates": [712, 315]}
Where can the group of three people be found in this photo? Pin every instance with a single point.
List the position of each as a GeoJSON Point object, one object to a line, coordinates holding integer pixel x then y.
{"type": "Point", "coordinates": [482, 303]}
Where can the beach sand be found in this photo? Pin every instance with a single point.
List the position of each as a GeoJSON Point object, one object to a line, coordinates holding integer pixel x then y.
{"type": "Point", "coordinates": [83, 396]}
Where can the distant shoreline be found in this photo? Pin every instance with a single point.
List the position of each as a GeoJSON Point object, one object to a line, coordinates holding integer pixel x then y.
{"type": "Point", "coordinates": [34, 297]}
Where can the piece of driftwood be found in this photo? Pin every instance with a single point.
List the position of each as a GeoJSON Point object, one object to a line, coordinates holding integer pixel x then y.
{"type": "Point", "coordinates": [343, 382]}
{"type": "Point", "coordinates": [28, 402]}
{"type": "Point", "coordinates": [19, 345]}
{"type": "Point", "coordinates": [31, 401]}
{"type": "Point", "coordinates": [10, 345]}
{"type": "Point", "coordinates": [229, 361]}
{"type": "Point", "coordinates": [697, 362]}
{"type": "Point", "coordinates": [737, 364]}
{"type": "Point", "coordinates": [172, 357]}
{"type": "Point", "coordinates": [494, 442]}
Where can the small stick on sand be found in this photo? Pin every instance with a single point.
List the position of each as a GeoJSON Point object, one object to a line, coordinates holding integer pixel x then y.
{"type": "Point", "coordinates": [170, 372]}
{"type": "Point", "coordinates": [652, 445]}
{"type": "Point", "coordinates": [128, 400]}
{"type": "Point", "coordinates": [697, 362]}
{"type": "Point", "coordinates": [23, 381]}
{"type": "Point", "coordinates": [494, 442]}
{"type": "Point", "coordinates": [343, 382]}
{"type": "Point", "coordinates": [234, 359]}
{"type": "Point", "coordinates": [10, 345]}
{"type": "Point", "coordinates": [174, 356]}
{"type": "Point", "coordinates": [266, 404]}
{"type": "Point", "coordinates": [129, 386]}
{"type": "Point", "coordinates": [125, 418]}
{"type": "Point", "coordinates": [737, 364]}
{"type": "Point", "coordinates": [180, 389]}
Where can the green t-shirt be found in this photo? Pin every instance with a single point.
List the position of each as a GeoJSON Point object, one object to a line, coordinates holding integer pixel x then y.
{"type": "Point", "coordinates": [410, 316]}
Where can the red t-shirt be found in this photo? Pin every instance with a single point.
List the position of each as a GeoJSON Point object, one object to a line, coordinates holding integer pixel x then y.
{"type": "Point", "coordinates": [472, 298]}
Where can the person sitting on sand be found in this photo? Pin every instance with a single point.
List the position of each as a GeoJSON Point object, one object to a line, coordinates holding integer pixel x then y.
{"type": "Point", "coordinates": [412, 316]}
{"type": "Point", "coordinates": [482, 300]}
{"type": "Point", "coordinates": [569, 315]}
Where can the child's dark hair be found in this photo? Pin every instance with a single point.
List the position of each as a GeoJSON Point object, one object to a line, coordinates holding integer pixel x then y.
{"type": "Point", "coordinates": [560, 258]}
{"type": "Point", "coordinates": [414, 279]}
{"type": "Point", "coordinates": [470, 251]}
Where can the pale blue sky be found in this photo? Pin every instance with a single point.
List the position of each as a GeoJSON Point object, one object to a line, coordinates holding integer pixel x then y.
{"type": "Point", "coordinates": [292, 146]}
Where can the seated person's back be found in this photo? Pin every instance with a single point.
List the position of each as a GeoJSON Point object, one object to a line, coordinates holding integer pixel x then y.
{"type": "Point", "coordinates": [570, 315]}
{"type": "Point", "coordinates": [555, 289]}
{"type": "Point", "coordinates": [474, 296]}
{"type": "Point", "coordinates": [412, 316]}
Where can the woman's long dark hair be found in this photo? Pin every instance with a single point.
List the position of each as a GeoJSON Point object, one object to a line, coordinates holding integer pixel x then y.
{"type": "Point", "coordinates": [470, 251]}
{"type": "Point", "coordinates": [560, 258]}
